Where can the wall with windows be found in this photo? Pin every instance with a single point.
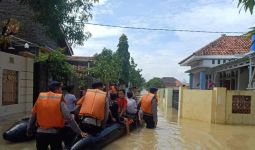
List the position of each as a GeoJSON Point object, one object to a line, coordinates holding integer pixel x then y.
{"type": "Point", "coordinates": [16, 84]}
{"type": "Point", "coordinates": [214, 62]}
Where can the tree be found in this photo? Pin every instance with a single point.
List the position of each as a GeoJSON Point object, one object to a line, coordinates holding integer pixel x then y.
{"type": "Point", "coordinates": [58, 67]}
{"type": "Point", "coordinates": [248, 5]}
{"type": "Point", "coordinates": [106, 66]}
{"type": "Point", "coordinates": [63, 17]}
{"type": "Point", "coordinates": [124, 56]}
{"type": "Point", "coordinates": [155, 82]}
{"type": "Point", "coordinates": [136, 78]}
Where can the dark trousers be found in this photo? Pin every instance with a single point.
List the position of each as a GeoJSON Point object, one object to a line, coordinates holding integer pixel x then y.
{"type": "Point", "coordinates": [149, 121]}
{"type": "Point", "coordinates": [68, 136]}
{"type": "Point", "coordinates": [43, 140]}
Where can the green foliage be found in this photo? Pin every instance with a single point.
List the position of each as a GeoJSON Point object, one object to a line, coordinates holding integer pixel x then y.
{"type": "Point", "coordinates": [124, 56]}
{"type": "Point", "coordinates": [106, 66]}
{"type": "Point", "coordinates": [58, 67]}
{"type": "Point", "coordinates": [63, 17]}
{"type": "Point", "coordinates": [113, 67]}
{"type": "Point", "coordinates": [136, 78]}
{"type": "Point", "coordinates": [246, 5]}
{"type": "Point", "coordinates": [155, 82]}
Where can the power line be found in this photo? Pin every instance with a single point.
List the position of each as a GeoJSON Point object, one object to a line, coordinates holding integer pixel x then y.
{"type": "Point", "coordinates": [162, 29]}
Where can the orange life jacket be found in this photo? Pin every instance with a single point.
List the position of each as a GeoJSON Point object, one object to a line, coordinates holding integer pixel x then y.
{"type": "Point", "coordinates": [93, 104]}
{"type": "Point", "coordinates": [48, 112]}
{"type": "Point", "coordinates": [146, 103]}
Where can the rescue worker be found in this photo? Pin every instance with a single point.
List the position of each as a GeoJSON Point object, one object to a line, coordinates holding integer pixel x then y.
{"type": "Point", "coordinates": [94, 109]}
{"type": "Point", "coordinates": [149, 105]}
{"type": "Point", "coordinates": [50, 113]}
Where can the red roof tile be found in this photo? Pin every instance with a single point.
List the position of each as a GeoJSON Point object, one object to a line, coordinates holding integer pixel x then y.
{"type": "Point", "coordinates": [226, 45]}
{"type": "Point", "coordinates": [171, 82]}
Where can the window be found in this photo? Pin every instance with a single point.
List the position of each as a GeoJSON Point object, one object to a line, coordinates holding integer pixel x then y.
{"type": "Point", "coordinates": [224, 61]}
{"type": "Point", "coordinates": [213, 61]}
{"type": "Point", "coordinates": [10, 90]}
{"type": "Point", "coordinates": [219, 61]}
{"type": "Point", "coordinates": [241, 104]}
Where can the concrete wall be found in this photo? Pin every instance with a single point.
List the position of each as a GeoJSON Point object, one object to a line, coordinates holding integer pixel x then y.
{"type": "Point", "coordinates": [208, 63]}
{"type": "Point", "coordinates": [235, 118]}
{"type": "Point", "coordinates": [214, 106]}
{"type": "Point", "coordinates": [219, 105]}
{"type": "Point", "coordinates": [24, 66]}
{"type": "Point", "coordinates": [196, 104]}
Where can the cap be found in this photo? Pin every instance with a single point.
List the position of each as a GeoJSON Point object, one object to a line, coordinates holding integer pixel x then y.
{"type": "Point", "coordinates": [54, 84]}
{"type": "Point", "coordinates": [153, 89]}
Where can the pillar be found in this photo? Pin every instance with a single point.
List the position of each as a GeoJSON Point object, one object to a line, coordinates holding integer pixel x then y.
{"type": "Point", "coordinates": [191, 80]}
{"type": "Point", "coordinates": [202, 80]}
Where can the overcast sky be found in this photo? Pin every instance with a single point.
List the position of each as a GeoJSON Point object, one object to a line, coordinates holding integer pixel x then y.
{"type": "Point", "coordinates": [157, 53]}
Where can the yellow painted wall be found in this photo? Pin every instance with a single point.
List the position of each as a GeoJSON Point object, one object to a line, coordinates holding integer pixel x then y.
{"type": "Point", "coordinates": [214, 106]}
{"type": "Point", "coordinates": [219, 106]}
{"type": "Point", "coordinates": [197, 104]}
{"type": "Point", "coordinates": [234, 118]}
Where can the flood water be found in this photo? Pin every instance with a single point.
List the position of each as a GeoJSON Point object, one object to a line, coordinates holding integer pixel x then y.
{"type": "Point", "coordinates": [174, 134]}
{"type": "Point", "coordinates": [7, 122]}
{"type": "Point", "coordinates": [170, 133]}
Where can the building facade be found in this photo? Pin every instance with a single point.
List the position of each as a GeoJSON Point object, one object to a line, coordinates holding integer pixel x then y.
{"type": "Point", "coordinates": [16, 84]}
{"type": "Point", "coordinates": [17, 53]}
{"type": "Point", "coordinates": [223, 50]}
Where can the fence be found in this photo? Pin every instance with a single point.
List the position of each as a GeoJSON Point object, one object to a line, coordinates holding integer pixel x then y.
{"type": "Point", "coordinates": [218, 106]}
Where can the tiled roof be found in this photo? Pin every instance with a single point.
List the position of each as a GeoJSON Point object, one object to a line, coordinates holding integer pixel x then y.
{"type": "Point", "coordinates": [226, 45]}
{"type": "Point", "coordinates": [171, 82]}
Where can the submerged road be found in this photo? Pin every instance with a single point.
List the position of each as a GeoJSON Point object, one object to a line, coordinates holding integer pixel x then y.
{"type": "Point", "coordinates": [171, 134]}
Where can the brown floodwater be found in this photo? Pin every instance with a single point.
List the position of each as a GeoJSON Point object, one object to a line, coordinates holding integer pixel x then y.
{"type": "Point", "coordinates": [170, 133]}
{"type": "Point", "coordinates": [7, 122]}
{"type": "Point", "coordinates": [174, 134]}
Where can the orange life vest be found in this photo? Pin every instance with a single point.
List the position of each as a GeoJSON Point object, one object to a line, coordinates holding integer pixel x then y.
{"type": "Point", "coordinates": [93, 104]}
{"type": "Point", "coordinates": [146, 103]}
{"type": "Point", "coordinates": [48, 112]}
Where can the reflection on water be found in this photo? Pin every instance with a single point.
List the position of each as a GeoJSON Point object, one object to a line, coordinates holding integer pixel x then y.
{"type": "Point", "coordinates": [171, 133]}
{"type": "Point", "coordinates": [184, 134]}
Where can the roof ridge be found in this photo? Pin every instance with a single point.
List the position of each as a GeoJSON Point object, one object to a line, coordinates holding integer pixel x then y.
{"type": "Point", "coordinates": [223, 45]}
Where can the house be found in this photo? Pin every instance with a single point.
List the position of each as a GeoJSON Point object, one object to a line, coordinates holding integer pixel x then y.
{"type": "Point", "coordinates": [223, 50]}
{"type": "Point", "coordinates": [171, 82]}
{"type": "Point", "coordinates": [19, 81]}
{"type": "Point", "coordinates": [237, 74]}
{"type": "Point", "coordinates": [29, 32]}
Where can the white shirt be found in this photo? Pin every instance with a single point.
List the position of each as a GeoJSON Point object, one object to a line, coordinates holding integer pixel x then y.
{"type": "Point", "coordinates": [70, 101]}
{"type": "Point", "coordinates": [131, 106]}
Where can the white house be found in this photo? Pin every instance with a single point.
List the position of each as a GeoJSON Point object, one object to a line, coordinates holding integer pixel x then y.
{"type": "Point", "coordinates": [222, 50]}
